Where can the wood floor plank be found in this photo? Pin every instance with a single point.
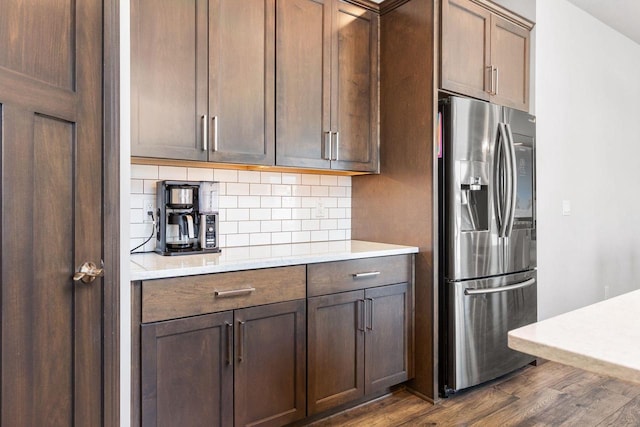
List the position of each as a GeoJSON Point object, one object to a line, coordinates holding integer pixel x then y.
{"type": "Point", "coordinates": [546, 395]}
{"type": "Point", "coordinates": [627, 416]}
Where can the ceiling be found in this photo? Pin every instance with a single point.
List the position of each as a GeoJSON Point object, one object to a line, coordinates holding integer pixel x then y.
{"type": "Point", "coordinates": [621, 15]}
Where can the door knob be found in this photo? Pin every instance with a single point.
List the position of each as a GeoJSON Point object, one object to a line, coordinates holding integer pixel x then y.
{"type": "Point", "coordinates": [88, 273]}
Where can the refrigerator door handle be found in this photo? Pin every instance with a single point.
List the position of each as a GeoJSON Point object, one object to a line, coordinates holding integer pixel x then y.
{"type": "Point", "coordinates": [515, 286]}
{"type": "Point", "coordinates": [513, 182]}
{"type": "Point", "coordinates": [502, 188]}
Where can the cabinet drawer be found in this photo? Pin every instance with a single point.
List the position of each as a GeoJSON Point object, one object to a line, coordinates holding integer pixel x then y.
{"type": "Point", "coordinates": [342, 276]}
{"type": "Point", "coordinates": [189, 296]}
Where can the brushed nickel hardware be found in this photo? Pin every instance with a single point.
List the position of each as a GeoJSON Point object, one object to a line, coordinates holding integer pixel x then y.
{"type": "Point", "coordinates": [370, 314]}
{"type": "Point", "coordinates": [497, 80]}
{"type": "Point", "coordinates": [327, 146]}
{"type": "Point", "coordinates": [215, 133]}
{"type": "Point", "coordinates": [241, 340]}
{"type": "Point", "coordinates": [361, 314]}
{"type": "Point", "coordinates": [229, 342]}
{"type": "Point", "coordinates": [337, 145]}
{"type": "Point", "coordinates": [233, 292]}
{"type": "Point", "coordinates": [88, 273]}
{"type": "Point", "coordinates": [500, 289]}
{"type": "Point", "coordinates": [367, 274]}
{"type": "Point", "coordinates": [490, 69]}
{"type": "Point", "coordinates": [205, 132]}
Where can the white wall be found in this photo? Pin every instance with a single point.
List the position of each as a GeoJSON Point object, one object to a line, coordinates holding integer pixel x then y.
{"type": "Point", "coordinates": [588, 116]}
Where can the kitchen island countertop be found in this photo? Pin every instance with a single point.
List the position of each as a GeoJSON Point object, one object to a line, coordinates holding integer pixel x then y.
{"type": "Point", "coordinates": [603, 338]}
{"type": "Point", "coordinates": [148, 266]}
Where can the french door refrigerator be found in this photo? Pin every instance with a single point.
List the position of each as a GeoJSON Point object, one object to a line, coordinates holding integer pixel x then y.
{"type": "Point", "coordinates": [487, 239]}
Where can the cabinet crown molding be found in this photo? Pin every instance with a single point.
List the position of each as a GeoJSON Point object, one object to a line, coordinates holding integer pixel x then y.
{"type": "Point", "coordinates": [506, 14]}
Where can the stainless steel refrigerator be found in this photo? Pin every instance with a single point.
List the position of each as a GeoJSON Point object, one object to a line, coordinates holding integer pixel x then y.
{"type": "Point", "coordinates": [487, 202]}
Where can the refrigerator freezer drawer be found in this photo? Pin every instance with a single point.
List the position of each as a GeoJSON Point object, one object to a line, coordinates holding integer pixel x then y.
{"type": "Point", "coordinates": [480, 313]}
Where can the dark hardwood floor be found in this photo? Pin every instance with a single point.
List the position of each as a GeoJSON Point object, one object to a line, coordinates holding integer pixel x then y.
{"type": "Point", "coordinates": [546, 395]}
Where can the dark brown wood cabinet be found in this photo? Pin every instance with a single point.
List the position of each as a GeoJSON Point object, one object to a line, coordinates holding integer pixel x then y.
{"type": "Point", "coordinates": [202, 80]}
{"type": "Point", "coordinates": [187, 371]}
{"type": "Point", "coordinates": [485, 52]}
{"type": "Point", "coordinates": [359, 342]}
{"type": "Point", "coordinates": [327, 85]}
{"type": "Point", "coordinates": [242, 367]}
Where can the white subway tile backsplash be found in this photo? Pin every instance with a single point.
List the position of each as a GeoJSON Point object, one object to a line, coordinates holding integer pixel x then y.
{"type": "Point", "coordinates": [281, 190]}
{"type": "Point", "coordinates": [249, 176]}
{"type": "Point", "coordinates": [291, 178]}
{"type": "Point", "coordinates": [256, 208]}
{"type": "Point", "coordinates": [137, 186]}
{"type": "Point", "coordinates": [199, 174]}
{"type": "Point", "coordinates": [282, 213]}
{"type": "Point", "coordinates": [270, 202]}
{"type": "Point", "coordinates": [238, 215]}
{"type": "Point", "coordinates": [248, 201]}
{"type": "Point", "coordinates": [249, 227]}
{"type": "Point", "coordinates": [328, 180]}
{"type": "Point", "coordinates": [319, 191]}
{"type": "Point", "coordinates": [256, 239]}
{"type": "Point", "coordinates": [300, 236]}
{"type": "Point", "coordinates": [260, 189]}
{"type": "Point", "coordinates": [310, 180]}
{"type": "Point", "coordinates": [144, 172]}
{"type": "Point", "coordinates": [270, 226]}
{"type": "Point", "coordinates": [280, 238]}
{"type": "Point", "coordinates": [271, 177]}
{"type": "Point", "coordinates": [225, 175]}
{"type": "Point", "coordinates": [260, 214]}
{"type": "Point", "coordinates": [172, 172]}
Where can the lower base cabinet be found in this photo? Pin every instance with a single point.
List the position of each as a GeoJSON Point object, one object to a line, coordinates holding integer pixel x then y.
{"type": "Point", "coordinates": [359, 343]}
{"type": "Point", "coordinates": [241, 367]}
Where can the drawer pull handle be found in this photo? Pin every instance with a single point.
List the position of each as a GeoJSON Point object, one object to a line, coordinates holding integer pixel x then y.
{"type": "Point", "coordinates": [363, 275]}
{"type": "Point", "coordinates": [233, 293]}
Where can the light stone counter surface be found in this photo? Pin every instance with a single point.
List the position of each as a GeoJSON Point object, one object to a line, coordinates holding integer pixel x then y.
{"type": "Point", "coordinates": [153, 266]}
{"type": "Point", "coordinates": [602, 338]}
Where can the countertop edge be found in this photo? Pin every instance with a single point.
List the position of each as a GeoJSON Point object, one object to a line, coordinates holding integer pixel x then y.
{"type": "Point", "coordinates": [253, 264]}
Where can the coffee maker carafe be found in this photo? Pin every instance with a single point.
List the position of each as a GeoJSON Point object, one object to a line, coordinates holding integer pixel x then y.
{"type": "Point", "coordinates": [186, 221]}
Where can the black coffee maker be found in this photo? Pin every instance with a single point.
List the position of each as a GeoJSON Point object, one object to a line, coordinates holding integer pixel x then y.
{"type": "Point", "coordinates": [182, 226]}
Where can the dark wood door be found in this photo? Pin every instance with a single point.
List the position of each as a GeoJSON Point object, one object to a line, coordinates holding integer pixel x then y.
{"type": "Point", "coordinates": [510, 57]}
{"type": "Point", "coordinates": [187, 371]}
{"type": "Point", "coordinates": [169, 78]}
{"type": "Point", "coordinates": [51, 220]}
{"type": "Point", "coordinates": [389, 336]}
{"type": "Point", "coordinates": [335, 350]}
{"type": "Point", "coordinates": [242, 81]}
{"type": "Point", "coordinates": [354, 112]}
{"type": "Point", "coordinates": [303, 82]}
{"type": "Point", "coordinates": [270, 364]}
{"type": "Point", "coordinates": [465, 62]}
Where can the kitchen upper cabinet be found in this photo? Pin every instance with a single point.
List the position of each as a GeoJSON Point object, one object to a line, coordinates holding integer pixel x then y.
{"type": "Point", "coordinates": [203, 80]}
{"type": "Point", "coordinates": [327, 85]}
{"type": "Point", "coordinates": [484, 54]}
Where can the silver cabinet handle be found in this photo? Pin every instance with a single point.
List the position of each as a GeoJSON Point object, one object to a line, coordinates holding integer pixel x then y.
{"type": "Point", "coordinates": [229, 342]}
{"type": "Point", "coordinates": [497, 80]}
{"type": "Point", "coordinates": [361, 314]}
{"type": "Point", "coordinates": [370, 327]}
{"type": "Point", "coordinates": [490, 90]}
{"type": "Point", "coordinates": [500, 289]}
{"type": "Point", "coordinates": [368, 274]}
{"type": "Point", "coordinates": [336, 152]}
{"type": "Point", "coordinates": [233, 292]}
{"type": "Point", "coordinates": [327, 146]}
{"type": "Point", "coordinates": [205, 136]}
{"type": "Point", "coordinates": [215, 133]}
{"type": "Point", "coordinates": [241, 336]}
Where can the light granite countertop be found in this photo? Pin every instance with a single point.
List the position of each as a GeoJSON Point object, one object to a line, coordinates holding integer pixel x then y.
{"type": "Point", "coordinates": [150, 266]}
{"type": "Point", "coordinates": [602, 338]}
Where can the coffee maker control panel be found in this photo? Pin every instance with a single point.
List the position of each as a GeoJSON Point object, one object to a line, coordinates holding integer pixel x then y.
{"type": "Point", "coordinates": [208, 231]}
